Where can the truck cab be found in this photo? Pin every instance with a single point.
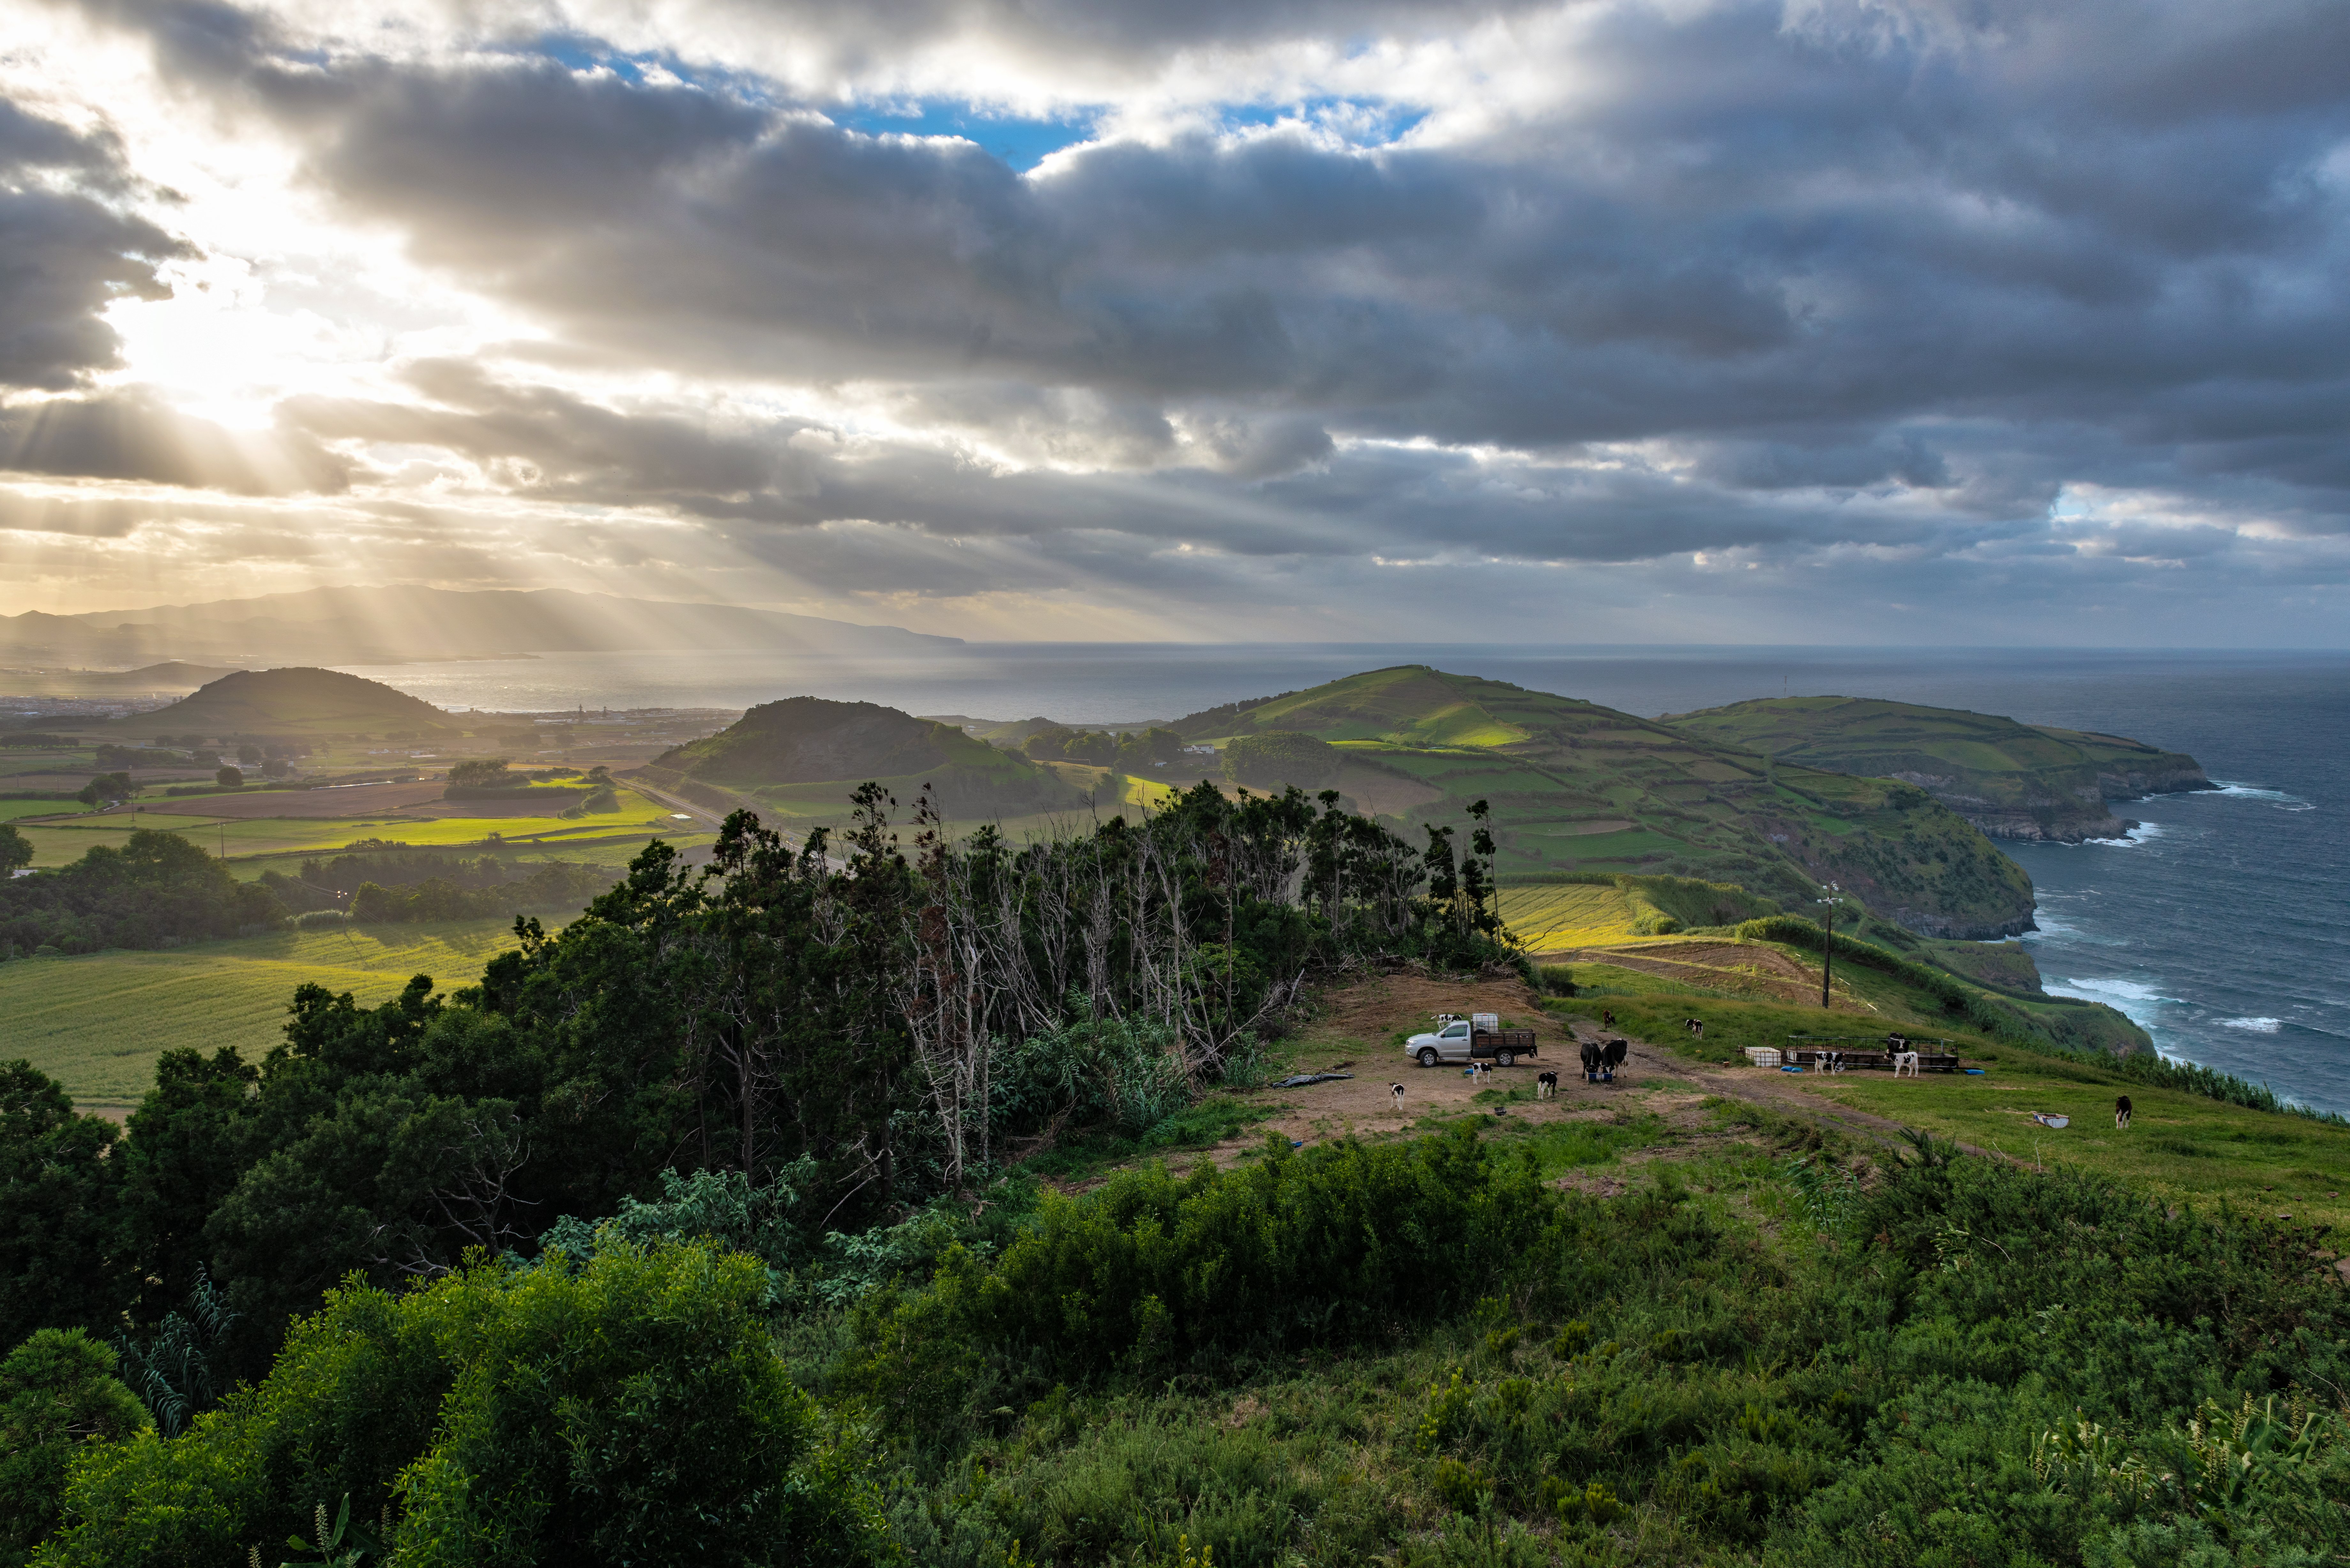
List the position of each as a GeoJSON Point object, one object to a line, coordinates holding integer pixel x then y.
{"type": "Point", "coordinates": [1479, 1036]}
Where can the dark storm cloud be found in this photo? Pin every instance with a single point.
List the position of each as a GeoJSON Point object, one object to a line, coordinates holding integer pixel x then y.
{"type": "Point", "coordinates": [1781, 281]}
{"type": "Point", "coordinates": [65, 251]}
{"type": "Point", "coordinates": [129, 436]}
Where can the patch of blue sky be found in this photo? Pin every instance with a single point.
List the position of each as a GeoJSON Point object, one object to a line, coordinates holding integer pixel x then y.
{"type": "Point", "coordinates": [1360, 123]}
{"type": "Point", "coordinates": [1020, 142]}
{"type": "Point", "coordinates": [580, 52]}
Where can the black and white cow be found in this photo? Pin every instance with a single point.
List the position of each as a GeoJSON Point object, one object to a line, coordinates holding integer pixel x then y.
{"type": "Point", "coordinates": [1611, 1056]}
{"type": "Point", "coordinates": [1593, 1055]}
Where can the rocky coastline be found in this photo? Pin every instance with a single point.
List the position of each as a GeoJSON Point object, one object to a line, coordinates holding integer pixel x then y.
{"type": "Point", "coordinates": [2077, 813]}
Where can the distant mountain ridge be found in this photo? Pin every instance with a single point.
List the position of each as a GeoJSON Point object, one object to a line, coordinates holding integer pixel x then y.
{"type": "Point", "coordinates": [289, 702]}
{"type": "Point", "coordinates": [369, 625]}
{"type": "Point", "coordinates": [796, 750]}
{"type": "Point", "coordinates": [1577, 788]}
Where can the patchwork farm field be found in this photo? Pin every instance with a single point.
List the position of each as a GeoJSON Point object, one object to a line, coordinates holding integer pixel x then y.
{"type": "Point", "coordinates": [61, 842]}
{"type": "Point", "coordinates": [1550, 917]}
{"type": "Point", "coordinates": [96, 1023]}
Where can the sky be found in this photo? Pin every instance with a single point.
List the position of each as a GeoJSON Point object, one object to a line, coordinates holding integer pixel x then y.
{"type": "Point", "coordinates": [1931, 322]}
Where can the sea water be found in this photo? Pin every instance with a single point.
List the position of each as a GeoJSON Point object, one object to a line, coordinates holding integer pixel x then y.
{"type": "Point", "coordinates": [2221, 926]}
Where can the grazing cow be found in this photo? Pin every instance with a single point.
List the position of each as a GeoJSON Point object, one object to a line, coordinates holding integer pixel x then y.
{"type": "Point", "coordinates": [1904, 1062]}
{"type": "Point", "coordinates": [1546, 1085]}
{"type": "Point", "coordinates": [1696, 1026]}
{"type": "Point", "coordinates": [1606, 1019]}
{"type": "Point", "coordinates": [1592, 1055]}
{"type": "Point", "coordinates": [1897, 1042]}
{"type": "Point", "coordinates": [1396, 1090]}
{"type": "Point", "coordinates": [2121, 1110]}
{"type": "Point", "coordinates": [1612, 1056]}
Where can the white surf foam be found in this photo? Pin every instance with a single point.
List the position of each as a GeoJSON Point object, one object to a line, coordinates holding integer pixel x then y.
{"type": "Point", "coordinates": [2257, 1025]}
{"type": "Point", "coordinates": [2275, 797]}
{"type": "Point", "coordinates": [2138, 1002]}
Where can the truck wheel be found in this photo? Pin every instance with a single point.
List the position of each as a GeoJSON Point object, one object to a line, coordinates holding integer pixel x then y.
{"type": "Point", "coordinates": [1428, 1055]}
{"type": "Point", "coordinates": [1507, 1059]}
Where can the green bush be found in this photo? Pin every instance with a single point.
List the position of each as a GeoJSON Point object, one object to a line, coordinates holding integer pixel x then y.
{"type": "Point", "coordinates": [1326, 1246]}
{"type": "Point", "coordinates": [632, 1412]}
{"type": "Point", "coordinates": [58, 1396]}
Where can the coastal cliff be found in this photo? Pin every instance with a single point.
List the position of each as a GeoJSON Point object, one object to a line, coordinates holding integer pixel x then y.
{"type": "Point", "coordinates": [2012, 781]}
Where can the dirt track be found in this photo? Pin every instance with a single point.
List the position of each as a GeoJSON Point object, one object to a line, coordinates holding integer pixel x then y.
{"type": "Point", "coordinates": [1358, 1019]}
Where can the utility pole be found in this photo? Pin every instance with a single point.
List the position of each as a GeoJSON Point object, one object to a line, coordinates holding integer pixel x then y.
{"type": "Point", "coordinates": [1827, 948]}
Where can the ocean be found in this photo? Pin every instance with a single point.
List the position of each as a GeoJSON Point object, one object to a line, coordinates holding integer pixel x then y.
{"type": "Point", "coordinates": [2223, 925]}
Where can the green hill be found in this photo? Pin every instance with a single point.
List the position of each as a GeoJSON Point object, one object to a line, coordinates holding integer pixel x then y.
{"type": "Point", "coordinates": [804, 754]}
{"type": "Point", "coordinates": [2012, 780]}
{"type": "Point", "coordinates": [289, 702]}
{"type": "Point", "coordinates": [1578, 788]}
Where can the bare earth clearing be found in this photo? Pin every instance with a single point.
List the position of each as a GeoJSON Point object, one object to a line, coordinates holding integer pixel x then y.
{"type": "Point", "coordinates": [1356, 1033]}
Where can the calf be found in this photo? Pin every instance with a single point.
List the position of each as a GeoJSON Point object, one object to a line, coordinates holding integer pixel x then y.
{"type": "Point", "coordinates": [1606, 1019]}
{"type": "Point", "coordinates": [1546, 1085]}
{"type": "Point", "coordinates": [2121, 1110]}
{"type": "Point", "coordinates": [1612, 1057]}
{"type": "Point", "coordinates": [1696, 1026]}
{"type": "Point", "coordinates": [1396, 1090]}
{"type": "Point", "coordinates": [1904, 1062]}
{"type": "Point", "coordinates": [1592, 1056]}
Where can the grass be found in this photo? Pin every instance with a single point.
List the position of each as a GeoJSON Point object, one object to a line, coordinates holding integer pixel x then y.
{"type": "Point", "coordinates": [2185, 1147]}
{"type": "Point", "coordinates": [1549, 916]}
{"type": "Point", "coordinates": [60, 844]}
{"type": "Point", "coordinates": [13, 810]}
{"type": "Point", "coordinates": [96, 1023]}
{"type": "Point", "coordinates": [1201, 1125]}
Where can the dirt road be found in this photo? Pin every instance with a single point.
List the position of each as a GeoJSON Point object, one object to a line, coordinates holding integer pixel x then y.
{"type": "Point", "coordinates": [1357, 1032]}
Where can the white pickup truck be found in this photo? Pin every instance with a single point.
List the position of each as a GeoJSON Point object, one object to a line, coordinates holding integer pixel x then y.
{"type": "Point", "coordinates": [1463, 1039]}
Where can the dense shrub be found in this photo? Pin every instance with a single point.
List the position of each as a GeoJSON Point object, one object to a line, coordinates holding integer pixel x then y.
{"type": "Point", "coordinates": [631, 1412]}
{"type": "Point", "coordinates": [157, 889]}
{"type": "Point", "coordinates": [59, 1396]}
{"type": "Point", "coordinates": [1277, 757]}
{"type": "Point", "coordinates": [1331, 1245]}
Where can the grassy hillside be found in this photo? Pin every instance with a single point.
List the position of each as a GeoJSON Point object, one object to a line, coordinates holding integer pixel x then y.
{"type": "Point", "coordinates": [2012, 780]}
{"type": "Point", "coordinates": [1577, 788]}
{"type": "Point", "coordinates": [288, 703]}
{"type": "Point", "coordinates": [2184, 1147]}
{"type": "Point", "coordinates": [803, 757]}
{"type": "Point", "coordinates": [96, 1023]}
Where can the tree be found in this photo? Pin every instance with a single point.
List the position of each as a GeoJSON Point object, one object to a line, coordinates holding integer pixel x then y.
{"type": "Point", "coordinates": [181, 1156]}
{"type": "Point", "coordinates": [230, 778]}
{"type": "Point", "coordinates": [106, 787]}
{"type": "Point", "coordinates": [58, 1395]}
{"type": "Point", "coordinates": [248, 754]}
{"type": "Point", "coordinates": [482, 773]}
{"type": "Point", "coordinates": [15, 849]}
{"type": "Point", "coordinates": [62, 1257]}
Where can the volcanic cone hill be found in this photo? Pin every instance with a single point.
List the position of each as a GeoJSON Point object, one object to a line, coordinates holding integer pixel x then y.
{"type": "Point", "coordinates": [804, 754]}
{"type": "Point", "coordinates": [1579, 788]}
{"type": "Point", "coordinates": [2011, 780]}
{"type": "Point", "coordinates": [290, 702]}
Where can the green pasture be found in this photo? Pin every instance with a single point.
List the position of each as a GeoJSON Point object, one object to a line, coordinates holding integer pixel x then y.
{"type": "Point", "coordinates": [1565, 915]}
{"type": "Point", "coordinates": [2184, 1147]}
{"type": "Point", "coordinates": [63, 842]}
{"type": "Point", "coordinates": [96, 1023]}
{"type": "Point", "coordinates": [16, 810]}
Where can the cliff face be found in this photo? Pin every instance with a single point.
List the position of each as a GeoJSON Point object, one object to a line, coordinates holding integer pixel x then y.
{"type": "Point", "coordinates": [2013, 781]}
